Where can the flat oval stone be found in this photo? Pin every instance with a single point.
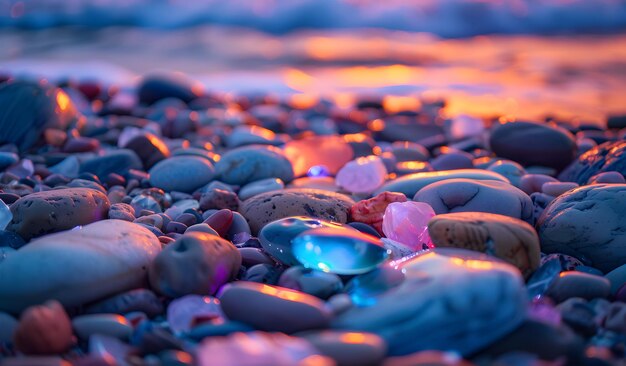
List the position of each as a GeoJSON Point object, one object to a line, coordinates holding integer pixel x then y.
{"type": "Point", "coordinates": [270, 206]}
{"type": "Point", "coordinates": [248, 164]}
{"type": "Point", "coordinates": [181, 173]}
{"type": "Point", "coordinates": [587, 222]}
{"type": "Point", "coordinates": [349, 348]}
{"type": "Point", "coordinates": [111, 256]}
{"type": "Point", "coordinates": [531, 183]}
{"type": "Point", "coordinates": [276, 309]}
{"type": "Point", "coordinates": [196, 263]}
{"type": "Point", "coordinates": [571, 284]}
{"type": "Point", "coordinates": [112, 325]}
{"type": "Point", "coordinates": [331, 151]}
{"type": "Point", "coordinates": [276, 237]}
{"type": "Point", "coordinates": [441, 291]}
{"type": "Point", "coordinates": [339, 251]}
{"type": "Point", "coordinates": [154, 88]}
{"type": "Point", "coordinates": [260, 186]}
{"type": "Point", "coordinates": [607, 157]}
{"type": "Point", "coordinates": [56, 210]}
{"type": "Point", "coordinates": [27, 108]}
{"type": "Point", "coordinates": [410, 184]}
{"type": "Point", "coordinates": [509, 239]}
{"type": "Point", "coordinates": [114, 161]}
{"type": "Point", "coordinates": [556, 189]}
{"type": "Point", "coordinates": [463, 195]}
{"type": "Point", "coordinates": [607, 177]}
{"type": "Point", "coordinates": [534, 144]}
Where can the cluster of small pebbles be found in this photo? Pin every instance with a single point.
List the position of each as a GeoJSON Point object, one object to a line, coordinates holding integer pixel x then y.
{"type": "Point", "coordinates": [165, 225]}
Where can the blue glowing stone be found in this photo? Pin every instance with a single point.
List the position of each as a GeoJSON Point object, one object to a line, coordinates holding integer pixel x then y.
{"type": "Point", "coordinates": [276, 236]}
{"type": "Point", "coordinates": [339, 250]}
{"type": "Point", "coordinates": [317, 171]}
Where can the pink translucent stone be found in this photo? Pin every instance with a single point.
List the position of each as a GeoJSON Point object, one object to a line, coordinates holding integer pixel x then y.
{"type": "Point", "coordinates": [183, 312]}
{"type": "Point", "coordinates": [407, 223]}
{"type": "Point", "coordinates": [362, 175]}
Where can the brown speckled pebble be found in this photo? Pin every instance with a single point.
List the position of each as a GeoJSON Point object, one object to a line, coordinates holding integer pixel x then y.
{"type": "Point", "coordinates": [57, 210]}
{"type": "Point", "coordinates": [504, 237]}
{"type": "Point", "coordinates": [267, 207]}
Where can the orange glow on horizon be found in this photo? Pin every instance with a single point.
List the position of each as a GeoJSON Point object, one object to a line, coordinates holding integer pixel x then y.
{"type": "Point", "coordinates": [304, 101]}
{"type": "Point", "coordinates": [395, 104]}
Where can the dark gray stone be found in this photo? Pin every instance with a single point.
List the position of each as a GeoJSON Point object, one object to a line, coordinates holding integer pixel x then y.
{"type": "Point", "coordinates": [251, 163]}
{"type": "Point", "coordinates": [156, 87]}
{"type": "Point", "coordinates": [587, 222]}
{"type": "Point", "coordinates": [182, 173]}
{"type": "Point", "coordinates": [273, 309]}
{"type": "Point", "coordinates": [118, 162]}
{"type": "Point", "coordinates": [26, 109]}
{"type": "Point", "coordinates": [466, 195]}
{"type": "Point", "coordinates": [534, 144]}
{"type": "Point", "coordinates": [410, 184]}
{"type": "Point", "coordinates": [610, 156]}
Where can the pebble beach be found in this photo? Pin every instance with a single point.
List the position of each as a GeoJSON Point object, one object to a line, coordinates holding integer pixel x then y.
{"type": "Point", "coordinates": [189, 229]}
{"type": "Point", "coordinates": [324, 198]}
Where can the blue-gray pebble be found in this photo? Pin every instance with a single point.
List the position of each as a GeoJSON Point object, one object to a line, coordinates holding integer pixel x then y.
{"type": "Point", "coordinates": [181, 173]}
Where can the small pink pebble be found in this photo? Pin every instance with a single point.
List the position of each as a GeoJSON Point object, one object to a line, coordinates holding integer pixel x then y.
{"type": "Point", "coordinates": [407, 223]}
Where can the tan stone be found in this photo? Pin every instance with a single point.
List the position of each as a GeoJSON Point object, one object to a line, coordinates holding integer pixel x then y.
{"type": "Point", "coordinates": [60, 209]}
{"type": "Point", "coordinates": [504, 237]}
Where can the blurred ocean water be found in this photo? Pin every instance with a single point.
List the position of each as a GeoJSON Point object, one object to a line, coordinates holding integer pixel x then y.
{"type": "Point", "coordinates": [444, 18]}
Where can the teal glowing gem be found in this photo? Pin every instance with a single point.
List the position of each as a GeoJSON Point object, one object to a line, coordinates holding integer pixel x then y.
{"type": "Point", "coordinates": [276, 236]}
{"type": "Point", "coordinates": [339, 250]}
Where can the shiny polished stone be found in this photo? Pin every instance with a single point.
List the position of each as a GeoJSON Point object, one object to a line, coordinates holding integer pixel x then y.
{"type": "Point", "coordinates": [339, 251]}
{"type": "Point", "coordinates": [276, 236]}
{"type": "Point", "coordinates": [450, 300]}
